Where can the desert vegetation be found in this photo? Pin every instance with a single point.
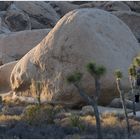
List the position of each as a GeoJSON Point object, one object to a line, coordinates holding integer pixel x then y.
{"type": "Point", "coordinates": [72, 123]}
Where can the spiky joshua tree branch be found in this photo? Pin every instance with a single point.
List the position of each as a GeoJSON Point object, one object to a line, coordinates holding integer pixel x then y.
{"type": "Point", "coordinates": [132, 78]}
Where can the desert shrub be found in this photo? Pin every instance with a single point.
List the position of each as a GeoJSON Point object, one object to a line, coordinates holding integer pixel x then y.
{"type": "Point", "coordinates": [37, 114]}
{"type": "Point", "coordinates": [58, 108]}
{"type": "Point", "coordinates": [31, 114]}
{"type": "Point", "coordinates": [75, 121]}
{"type": "Point", "coordinates": [49, 113]}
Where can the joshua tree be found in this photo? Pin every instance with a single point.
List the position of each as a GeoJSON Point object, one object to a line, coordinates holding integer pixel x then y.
{"type": "Point", "coordinates": [136, 61]}
{"type": "Point", "coordinates": [119, 76]}
{"type": "Point", "coordinates": [132, 77]}
{"type": "Point", "coordinates": [96, 72]}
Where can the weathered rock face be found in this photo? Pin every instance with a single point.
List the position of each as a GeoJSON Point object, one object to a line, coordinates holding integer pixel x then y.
{"type": "Point", "coordinates": [79, 2]}
{"type": "Point", "coordinates": [15, 45]}
{"type": "Point", "coordinates": [134, 5]}
{"type": "Point", "coordinates": [93, 4]}
{"type": "Point", "coordinates": [40, 13]}
{"type": "Point", "coordinates": [3, 29]}
{"type": "Point", "coordinates": [116, 6]}
{"type": "Point", "coordinates": [132, 19]}
{"type": "Point", "coordinates": [4, 5]}
{"type": "Point", "coordinates": [5, 72]}
{"type": "Point", "coordinates": [63, 7]}
{"type": "Point", "coordinates": [108, 6]}
{"type": "Point", "coordinates": [16, 19]}
{"type": "Point", "coordinates": [81, 36]}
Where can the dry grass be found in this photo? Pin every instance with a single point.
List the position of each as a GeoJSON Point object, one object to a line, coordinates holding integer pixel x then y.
{"type": "Point", "coordinates": [9, 101]}
{"type": "Point", "coordinates": [109, 119]}
{"type": "Point", "coordinates": [112, 125]}
{"type": "Point", "coordinates": [9, 118]}
{"type": "Point", "coordinates": [88, 120]}
{"type": "Point", "coordinates": [106, 120]}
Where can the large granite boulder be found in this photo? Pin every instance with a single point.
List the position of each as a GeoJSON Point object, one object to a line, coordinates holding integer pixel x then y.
{"type": "Point", "coordinates": [15, 45]}
{"type": "Point", "coordinates": [80, 37]}
{"type": "Point", "coordinates": [132, 19]}
{"type": "Point", "coordinates": [41, 14]}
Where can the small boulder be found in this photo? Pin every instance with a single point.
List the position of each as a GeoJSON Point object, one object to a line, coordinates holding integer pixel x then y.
{"type": "Point", "coordinates": [116, 6]}
{"type": "Point", "coordinates": [3, 29]}
{"type": "Point", "coordinates": [63, 7]}
{"type": "Point", "coordinates": [129, 104]}
{"type": "Point", "coordinates": [4, 5]}
{"type": "Point", "coordinates": [102, 110]}
{"type": "Point", "coordinates": [134, 5]}
{"type": "Point", "coordinates": [12, 110]}
{"type": "Point", "coordinates": [16, 19]}
{"type": "Point", "coordinates": [20, 43]}
{"type": "Point", "coordinates": [39, 11]}
{"type": "Point", "coordinates": [93, 4]}
{"type": "Point", "coordinates": [87, 110]}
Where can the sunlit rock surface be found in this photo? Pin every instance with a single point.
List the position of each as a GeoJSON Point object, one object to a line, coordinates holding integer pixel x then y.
{"type": "Point", "coordinates": [81, 36]}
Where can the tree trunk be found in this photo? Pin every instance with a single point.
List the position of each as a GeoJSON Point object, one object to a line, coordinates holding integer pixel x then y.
{"type": "Point", "coordinates": [98, 122]}
{"type": "Point", "coordinates": [134, 108]}
{"type": "Point", "coordinates": [97, 88]}
{"type": "Point", "coordinates": [124, 106]}
{"type": "Point", "coordinates": [94, 105]}
{"type": "Point", "coordinates": [132, 91]}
